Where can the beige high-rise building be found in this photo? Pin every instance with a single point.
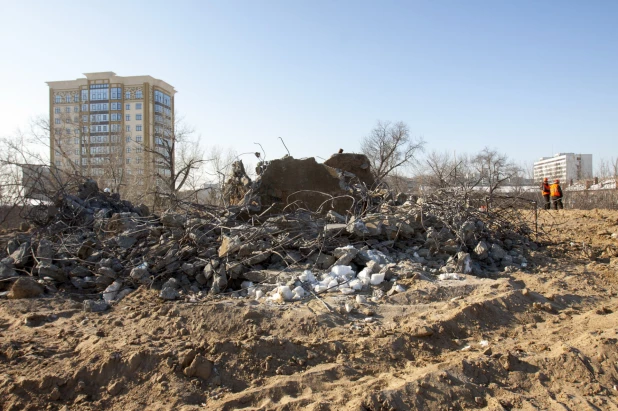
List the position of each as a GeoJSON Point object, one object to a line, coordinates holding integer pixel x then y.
{"type": "Point", "coordinates": [113, 129]}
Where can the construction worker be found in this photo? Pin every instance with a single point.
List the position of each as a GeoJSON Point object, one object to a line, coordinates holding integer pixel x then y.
{"type": "Point", "coordinates": [556, 195]}
{"type": "Point", "coordinates": [545, 192]}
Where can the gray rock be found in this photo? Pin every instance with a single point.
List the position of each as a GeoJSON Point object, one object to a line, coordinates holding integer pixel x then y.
{"type": "Point", "coordinates": [89, 189]}
{"type": "Point", "coordinates": [79, 271]}
{"type": "Point", "coordinates": [44, 251]}
{"type": "Point", "coordinates": [107, 272]}
{"type": "Point", "coordinates": [11, 247]}
{"type": "Point", "coordinates": [464, 263]}
{"type": "Point", "coordinates": [169, 293]}
{"type": "Point", "coordinates": [481, 250]}
{"type": "Point", "coordinates": [52, 271]}
{"type": "Point", "coordinates": [258, 257]}
{"type": "Point", "coordinates": [189, 269]}
{"type": "Point", "coordinates": [125, 242]}
{"type": "Point", "coordinates": [6, 268]}
{"type": "Point", "coordinates": [358, 228]}
{"type": "Point", "coordinates": [95, 306]}
{"type": "Point", "coordinates": [321, 261]}
{"type": "Point", "coordinates": [496, 252]}
{"type": "Point", "coordinates": [171, 219]}
{"type": "Point", "coordinates": [219, 283]}
{"type": "Point", "coordinates": [364, 256]}
{"type": "Point", "coordinates": [22, 255]}
{"type": "Point", "coordinates": [234, 269]}
{"type": "Point", "coordinates": [171, 283]}
{"type": "Point", "coordinates": [345, 255]}
{"type": "Point", "coordinates": [201, 279]}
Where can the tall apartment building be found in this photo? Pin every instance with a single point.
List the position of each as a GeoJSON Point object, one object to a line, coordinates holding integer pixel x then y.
{"type": "Point", "coordinates": [110, 128]}
{"type": "Point", "coordinates": [564, 167]}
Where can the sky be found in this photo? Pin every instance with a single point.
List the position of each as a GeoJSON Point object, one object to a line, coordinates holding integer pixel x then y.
{"type": "Point", "coordinates": [528, 78]}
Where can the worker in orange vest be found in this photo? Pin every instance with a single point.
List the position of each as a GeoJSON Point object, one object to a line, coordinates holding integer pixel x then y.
{"type": "Point", "coordinates": [555, 193]}
{"type": "Point", "coordinates": [545, 192]}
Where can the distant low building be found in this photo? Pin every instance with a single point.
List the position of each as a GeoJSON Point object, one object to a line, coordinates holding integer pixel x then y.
{"type": "Point", "coordinates": [564, 167]}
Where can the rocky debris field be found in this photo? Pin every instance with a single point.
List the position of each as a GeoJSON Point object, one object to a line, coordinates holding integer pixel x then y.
{"type": "Point", "coordinates": [409, 304]}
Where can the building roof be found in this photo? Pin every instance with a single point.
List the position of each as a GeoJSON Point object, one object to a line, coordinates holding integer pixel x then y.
{"type": "Point", "coordinates": [66, 84]}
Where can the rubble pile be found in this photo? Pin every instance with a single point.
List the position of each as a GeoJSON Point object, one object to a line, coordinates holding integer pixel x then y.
{"type": "Point", "coordinates": [95, 244]}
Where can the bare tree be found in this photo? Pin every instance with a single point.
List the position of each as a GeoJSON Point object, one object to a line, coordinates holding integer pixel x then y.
{"type": "Point", "coordinates": [605, 168]}
{"type": "Point", "coordinates": [494, 168]}
{"type": "Point", "coordinates": [177, 160]}
{"type": "Point", "coordinates": [390, 146]}
{"type": "Point", "coordinates": [443, 171]}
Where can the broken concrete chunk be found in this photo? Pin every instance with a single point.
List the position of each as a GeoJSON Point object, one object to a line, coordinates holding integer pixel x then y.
{"type": "Point", "coordinates": [51, 271]}
{"type": "Point", "coordinates": [25, 287]}
{"type": "Point", "coordinates": [171, 219]}
{"type": "Point", "coordinates": [6, 268]}
{"type": "Point", "coordinates": [497, 253]}
{"type": "Point", "coordinates": [229, 245]}
{"type": "Point", "coordinates": [481, 250]}
{"type": "Point", "coordinates": [22, 255]}
{"type": "Point", "coordinates": [169, 293]}
{"type": "Point", "coordinates": [464, 263]}
{"type": "Point", "coordinates": [95, 306]}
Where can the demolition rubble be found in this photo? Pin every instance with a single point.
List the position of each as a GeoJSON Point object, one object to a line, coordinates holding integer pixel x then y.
{"type": "Point", "coordinates": [300, 231]}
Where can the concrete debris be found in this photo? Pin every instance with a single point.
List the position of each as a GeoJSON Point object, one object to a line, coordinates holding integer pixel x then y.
{"type": "Point", "coordinates": [302, 228]}
{"type": "Point", "coordinates": [25, 287]}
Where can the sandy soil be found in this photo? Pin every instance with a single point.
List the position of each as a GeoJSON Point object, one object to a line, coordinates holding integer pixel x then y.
{"type": "Point", "coordinates": [541, 339]}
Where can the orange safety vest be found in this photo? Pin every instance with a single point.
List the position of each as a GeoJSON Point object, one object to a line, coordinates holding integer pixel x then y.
{"type": "Point", "coordinates": [555, 191]}
{"type": "Point", "coordinates": [545, 189]}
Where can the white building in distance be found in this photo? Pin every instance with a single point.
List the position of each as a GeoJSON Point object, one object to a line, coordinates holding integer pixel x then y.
{"type": "Point", "coordinates": [564, 167]}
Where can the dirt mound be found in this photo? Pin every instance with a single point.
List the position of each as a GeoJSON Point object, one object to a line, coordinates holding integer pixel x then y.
{"type": "Point", "coordinates": [535, 337]}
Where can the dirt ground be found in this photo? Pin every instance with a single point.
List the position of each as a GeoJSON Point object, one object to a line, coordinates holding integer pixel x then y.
{"type": "Point", "coordinates": [543, 339]}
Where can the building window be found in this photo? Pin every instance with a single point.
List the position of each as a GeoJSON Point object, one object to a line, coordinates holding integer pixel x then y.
{"type": "Point", "coordinates": [138, 116]}
{"type": "Point", "coordinates": [57, 110]}
{"type": "Point", "coordinates": [138, 139]}
{"type": "Point", "coordinates": [138, 106]}
{"type": "Point", "coordinates": [138, 127]}
{"type": "Point", "coordinates": [139, 160]}
{"type": "Point", "coordinates": [84, 107]}
{"type": "Point", "coordinates": [128, 150]}
{"type": "Point", "coordinates": [58, 99]}
{"type": "Point", "coordinates": [67, 99]}
{"type": "Point", "coordinates": [138, 150]}
{"type": "Point", "coordinates": [128, 128]}
{"type": "Point", "coordinates": [76, 109]}
{"type": "Point", "coordinates": [57, 121]}
{"type": "Point", "coordinates": [127, 117]}
{"type": "Point", "coordinates": [127, 106]}
{"type": "Point", "coordinates": [128, 161]}
{"type": "Point", "coordinates": [138, 94]}
{"type": "Point", "coordinates": [76, 141]}
{"type": "Point", "coordinates": [116, 93]}
{"type": "Point", "coordinates": [75, 98]}
{"type": "Point", "coordinates": [127, 95]}
{"type": "Point", "coordinates": [128, 139]}
{"type": "Point", "coordinates": [84, 95]}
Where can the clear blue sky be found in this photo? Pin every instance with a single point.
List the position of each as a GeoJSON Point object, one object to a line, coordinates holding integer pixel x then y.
{"type": "Point", "coordinates": [530, 78]}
